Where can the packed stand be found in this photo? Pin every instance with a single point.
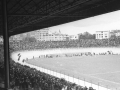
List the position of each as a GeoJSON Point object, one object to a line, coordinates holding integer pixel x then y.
{"type": "Point", "coordinates": [64, 44]}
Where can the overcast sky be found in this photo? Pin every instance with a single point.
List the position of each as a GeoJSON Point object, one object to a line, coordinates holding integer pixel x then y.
{"type": "Point", "coordinates": [104, 22]}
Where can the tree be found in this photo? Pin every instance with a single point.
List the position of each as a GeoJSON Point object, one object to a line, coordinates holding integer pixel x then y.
{"type": "Point", "coordinates": [86, 35]}
{"type": "Point", "coordinates": [67, 38]}
{"type": "Point", "coordinates": [29, 40]}
{"type": "Point", "coordinates": [113, 37]}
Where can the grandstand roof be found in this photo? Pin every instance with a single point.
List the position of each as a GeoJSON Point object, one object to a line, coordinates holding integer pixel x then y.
{"type": "Point", "coordinates": [29, 15]}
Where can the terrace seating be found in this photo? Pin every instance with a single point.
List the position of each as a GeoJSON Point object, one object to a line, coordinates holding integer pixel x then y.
{"type": "Point", "coordinates": [63, 44]}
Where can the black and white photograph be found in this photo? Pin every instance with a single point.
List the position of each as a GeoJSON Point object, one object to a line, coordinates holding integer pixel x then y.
{"type": "Point", "coordinates": [59, 45]}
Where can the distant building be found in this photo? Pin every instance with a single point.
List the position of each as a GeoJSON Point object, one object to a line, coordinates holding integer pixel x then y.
{"type": "Point", "coordinates": [42, 35]}
{"type": "Point", "coordinates": [56, 37]}
{"type": "Point", "coordinates": [102, 34]}
{"type": "Point", "coordinates": [46, 36]}
{"type": "Point", "coordinates": [38, 34]}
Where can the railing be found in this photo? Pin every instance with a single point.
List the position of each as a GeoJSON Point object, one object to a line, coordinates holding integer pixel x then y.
{"type": "Point", "coordinates": [66, 77]}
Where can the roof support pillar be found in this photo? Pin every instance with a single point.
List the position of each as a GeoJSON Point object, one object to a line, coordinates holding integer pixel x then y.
{"type": "Point", "coordinates": [6, 44]}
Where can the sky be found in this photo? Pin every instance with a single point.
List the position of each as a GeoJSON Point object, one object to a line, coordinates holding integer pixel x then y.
{"type": "Point", "coordinates": [103, 22]}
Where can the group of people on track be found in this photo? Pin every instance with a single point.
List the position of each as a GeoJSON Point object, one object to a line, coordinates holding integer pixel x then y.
{"type": "Point", "coordinates": [69, 55]}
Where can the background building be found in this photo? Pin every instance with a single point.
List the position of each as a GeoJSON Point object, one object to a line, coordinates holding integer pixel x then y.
{"type": "Point", "coordinates": [42, 35]}
{"type": "Point", "coordinates": [107, 34]}
{"type": "Point", "coordinates": [102, 34]}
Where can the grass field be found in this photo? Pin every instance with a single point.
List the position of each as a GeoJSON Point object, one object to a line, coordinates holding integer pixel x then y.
{"type": "Point", "coordinates": [102, 69]}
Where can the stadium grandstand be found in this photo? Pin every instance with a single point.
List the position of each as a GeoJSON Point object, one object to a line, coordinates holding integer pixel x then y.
{"type": "Point", "coordinates": [24, 30]}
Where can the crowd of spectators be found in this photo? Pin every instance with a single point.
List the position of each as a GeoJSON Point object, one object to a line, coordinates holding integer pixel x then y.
{"type": "Point", "coordinates": [64, 44]}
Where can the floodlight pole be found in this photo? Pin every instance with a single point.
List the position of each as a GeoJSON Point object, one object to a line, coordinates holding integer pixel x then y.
{"type": "Point", "coordinates": [6, 45]}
